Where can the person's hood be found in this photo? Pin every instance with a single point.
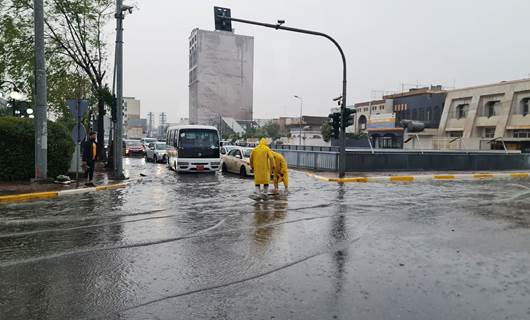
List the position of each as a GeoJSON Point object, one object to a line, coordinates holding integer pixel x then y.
{"type": "Point", "coordinates": [263, 142]}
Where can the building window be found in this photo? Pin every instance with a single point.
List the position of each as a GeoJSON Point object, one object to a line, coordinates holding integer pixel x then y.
{"type": "Point", "coordinates": [489, 132]}
{"type": "Point", "coordinates": [461, 111]}
{"type": "Point", "coordinates": [524, 106]}
{"type": "Point", "coordinates": [421, 115]}
{"type": "Point", "coordinates": [456, 134]}
{"type": "Point", "coordinates": [414, 114]}
{"type": "Point", "coordinates": [365, 109]}
{"type": "Point", "coordinates": [521, 133]}
{"type": "Point", "coordinates": [491, 108]}
{"type": "Point", "coordinates": [382, 107]}
{"type": "Point", "coordinates": [429, 115]}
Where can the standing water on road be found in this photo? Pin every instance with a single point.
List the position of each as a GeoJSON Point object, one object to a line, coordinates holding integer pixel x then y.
{"type": "Point", "coordinates": [197, 247]}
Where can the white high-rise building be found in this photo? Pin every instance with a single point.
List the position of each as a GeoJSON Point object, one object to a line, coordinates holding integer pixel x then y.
{"type": "Point", "coordinates": [220, 76]}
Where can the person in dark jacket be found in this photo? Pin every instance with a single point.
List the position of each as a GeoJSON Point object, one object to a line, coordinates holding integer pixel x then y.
{"type": "Point", "coordinates": [90, 148]}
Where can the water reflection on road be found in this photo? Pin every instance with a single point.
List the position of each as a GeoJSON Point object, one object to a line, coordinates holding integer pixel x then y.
{"type": "Point", "coordinates": [197, 247]}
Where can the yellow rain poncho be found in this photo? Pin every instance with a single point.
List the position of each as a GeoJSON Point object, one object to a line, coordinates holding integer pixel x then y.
{"type": "Point", "coordinates": [262, 163]}
{"type": "Point", "coordinates": [280, 170]}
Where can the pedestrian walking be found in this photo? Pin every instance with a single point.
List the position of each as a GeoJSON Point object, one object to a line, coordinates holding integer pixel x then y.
{"type": "Point", "coordinates": [280, 172]}
{"type": "Point", "coordinates": [262, 164]}
{"type": "Point", "coordinates": [90, 148]}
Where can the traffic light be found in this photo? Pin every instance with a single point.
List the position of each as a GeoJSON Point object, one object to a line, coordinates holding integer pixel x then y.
{"type": "Point", "coordinates": [220, 23]}
{"type": "Point", "coordinates": [348, 117]}
{"type": "Point", "coordinates": [334, 121]}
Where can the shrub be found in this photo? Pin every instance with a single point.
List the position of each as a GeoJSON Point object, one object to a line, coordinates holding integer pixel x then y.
{"type": "Point", "coordinates": [17, 149]}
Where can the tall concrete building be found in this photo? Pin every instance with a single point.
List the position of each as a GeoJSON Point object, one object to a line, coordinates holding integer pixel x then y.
{"type": "Point", "coordinates": [220, 76]}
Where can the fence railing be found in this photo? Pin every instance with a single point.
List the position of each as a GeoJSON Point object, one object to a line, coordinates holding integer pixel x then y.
{"type": "Point", "coordinates": [301, 157]}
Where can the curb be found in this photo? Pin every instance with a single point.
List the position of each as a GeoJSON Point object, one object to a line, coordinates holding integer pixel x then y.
{"type": "Point", "coordinates": [424, 178]}
{"type": "Point", "coordinates": [56, 194]}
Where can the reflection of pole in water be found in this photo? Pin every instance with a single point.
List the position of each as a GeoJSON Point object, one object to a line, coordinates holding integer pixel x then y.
{"type": "Point", "coordinates": [338, 235]}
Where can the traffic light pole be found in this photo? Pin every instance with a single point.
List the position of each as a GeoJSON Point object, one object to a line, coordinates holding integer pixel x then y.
{"type": "Point", "coordinates": [342, 139]}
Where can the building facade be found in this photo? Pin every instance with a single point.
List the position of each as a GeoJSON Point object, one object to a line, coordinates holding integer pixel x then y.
{"type": "Point", "coordinates": [423, 105]}
{"type": "Point", "coordinates": [494, 116]}
{"type": "Point", "coordinates": [221, 71]}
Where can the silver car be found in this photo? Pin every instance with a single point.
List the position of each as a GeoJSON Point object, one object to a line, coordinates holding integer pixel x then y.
{"type": "Point", "coordinates": [156, 152]}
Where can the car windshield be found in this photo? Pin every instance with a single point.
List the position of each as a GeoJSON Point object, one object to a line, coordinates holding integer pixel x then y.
{"type": "Point", "coordinates": [246, 153]}
{"type": "Point", "coordinates": [198, 138]}
{"type": "Point", "coordinates": [148, 140]}
{"type": "Point", "coordinates": [133, 143]}
{"type": "Point", "coordinates": [161, 146]}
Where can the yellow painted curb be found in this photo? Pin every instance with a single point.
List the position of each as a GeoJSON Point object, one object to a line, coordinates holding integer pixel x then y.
{"type": "Point", "coordinates": [519, 175]}
{"type": "Point", "coordinates": [28, 196]}
{"type": "Point", "coordinates": [418, 178]}
{"type": "Point", "coordinates": [55, 194]}
{"type": "Point", "coordinates": [111, 187]}
{"type": "Point", "coordinates": [444, 177]}
{"type": "Point", "coordinates": [401, 178]}
{"type": "Point", "coordinates": [483, 176]}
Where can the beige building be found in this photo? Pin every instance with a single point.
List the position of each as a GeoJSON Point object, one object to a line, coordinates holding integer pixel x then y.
{"type": "Point", "coordinates": [494, 116]}
{"type": "Point", "coordinates": [366, 109]}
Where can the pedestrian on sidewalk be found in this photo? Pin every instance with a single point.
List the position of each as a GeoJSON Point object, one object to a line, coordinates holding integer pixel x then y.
{"type": "Point", "coordinates": [280, 172]}
{"type": "Point", "coordinates": [262, 163]}
{"type": "Point", "coordinates": [90, 148]}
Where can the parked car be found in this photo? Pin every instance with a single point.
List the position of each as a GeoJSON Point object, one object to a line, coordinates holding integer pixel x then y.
{"type": "Point", "coordinates": [238, 161]}
{"type": "Point", "coordinates": [133, 148]}
{"type": "Point", "coordinates": [156, 152]}
{"type": "Point", "coordinates": [225, 149]}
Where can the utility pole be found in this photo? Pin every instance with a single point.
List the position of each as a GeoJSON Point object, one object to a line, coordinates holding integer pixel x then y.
{"type": "Point", "coordinates": [222, 16]}
{"type": "Point", "coordinates": [162, 125]}
{"type": "Point", "coordinates": [118, 137]}
{"type": "Point", "coordinates": [300, 121]}
{"type": "Point", "coordinates": [150, 115]}
{"type": "Point", "coordinates": [41, 125]}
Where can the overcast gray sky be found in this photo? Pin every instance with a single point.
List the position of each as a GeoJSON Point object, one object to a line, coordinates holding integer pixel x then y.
{"type": "Point", "coordinates": [386, 42]}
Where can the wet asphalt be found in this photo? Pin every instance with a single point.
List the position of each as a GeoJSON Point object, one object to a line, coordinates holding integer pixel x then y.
{"type": "Point", "coordinates": [197, 247]}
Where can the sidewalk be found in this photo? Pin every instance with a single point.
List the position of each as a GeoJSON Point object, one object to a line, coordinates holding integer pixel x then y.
{"type": "Point", "coordinates": [22, 191]}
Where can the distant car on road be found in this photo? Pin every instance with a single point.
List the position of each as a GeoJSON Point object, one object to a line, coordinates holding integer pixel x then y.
{"type": "Point", "coordinates": [238, 161]}
{"type": "Point", "coordinates": [156, 152]}
{"type": "Point", "coordinates": [147, 141]}
{"type": "Point", "coordinates": [133, 148]}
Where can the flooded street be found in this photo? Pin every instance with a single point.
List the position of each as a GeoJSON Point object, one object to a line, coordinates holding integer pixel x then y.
{"type": "Point", "coordinates": [197, 247]}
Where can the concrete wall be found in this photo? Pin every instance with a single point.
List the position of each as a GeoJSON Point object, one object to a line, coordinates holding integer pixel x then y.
{"type": "Point", "coordinates": [221, 76]}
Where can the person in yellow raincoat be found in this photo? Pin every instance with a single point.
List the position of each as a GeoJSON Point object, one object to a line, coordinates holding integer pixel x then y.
{"type": "Point", "coordinates": [280, 171]}
{"type": "Point", "coordinates": [262, 164]}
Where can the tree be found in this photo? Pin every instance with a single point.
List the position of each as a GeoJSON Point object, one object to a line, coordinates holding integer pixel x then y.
{"type": "Point", "coordinates": [75, 50]}
{"type": "Point", "coordinates": [325, 130]}
{"type": "Point", "coordinates": [17, 60]}
{"type": "Point", "coordinates": [271, 130]}
{"type": "Point", "coordinates": [75, 28]}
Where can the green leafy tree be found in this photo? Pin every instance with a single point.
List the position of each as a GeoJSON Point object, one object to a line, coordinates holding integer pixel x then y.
{"type": "Point", "coordinates": [75, 50]}
{"type": "Point", "coordinates": [271, 130]}
{"type": "Point", "coordinates": [325, 130]}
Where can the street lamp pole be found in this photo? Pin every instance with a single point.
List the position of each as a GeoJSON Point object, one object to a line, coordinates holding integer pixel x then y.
{"type": "Point", "coordinates": [300, 121]}
{"type": "Point", "coordinates": [41, 126]}
{"type": "Point", "coordinates": [278, 26]}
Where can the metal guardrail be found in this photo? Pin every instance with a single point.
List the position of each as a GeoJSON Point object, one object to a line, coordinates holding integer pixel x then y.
{"type": "Point", "coordinates": [310, 158]}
